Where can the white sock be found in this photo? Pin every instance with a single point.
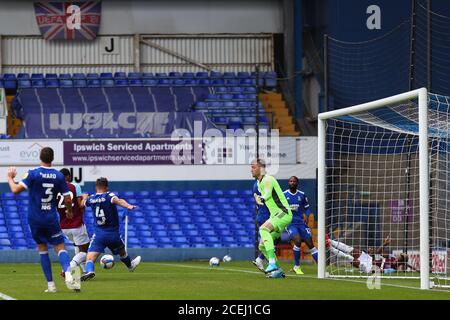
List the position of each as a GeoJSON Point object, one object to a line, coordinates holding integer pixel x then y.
{"type": "Point", "coordinates": [341, 254]}
{"type": "Point", "coordinates": [259, 260]}
{"type": "Point", "coordinates": [51, 284]}
{"type": "Point", "coordinates": [78, 259]}
{"type": "Point", "coordinates": [83, 266]}
{"type": "Point", "coordinates": [272, 261]}
{"type": "Point", "coordinates": [341, 246]}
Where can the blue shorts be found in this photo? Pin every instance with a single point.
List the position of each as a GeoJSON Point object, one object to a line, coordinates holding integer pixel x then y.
{"type": "Point", "coordinates": [260, 219]}
{"type": "Point", "coordinates": [106, 239]}
{"type": "Point", "coordinates": [299, 229]}
{"type": "Point", "coordinates": [47, 233]}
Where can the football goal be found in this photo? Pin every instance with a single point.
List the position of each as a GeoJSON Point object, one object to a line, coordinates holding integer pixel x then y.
{"type": "Point", "coordinates": [384, 190]}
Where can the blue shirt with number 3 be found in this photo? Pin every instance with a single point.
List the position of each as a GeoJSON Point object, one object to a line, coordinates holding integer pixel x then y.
{"type": "Point", "coordinates": [44, 184]}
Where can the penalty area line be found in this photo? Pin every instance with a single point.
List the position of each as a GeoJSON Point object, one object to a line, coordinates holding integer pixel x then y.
{"type": "Point", "coordinates": [5, 297]}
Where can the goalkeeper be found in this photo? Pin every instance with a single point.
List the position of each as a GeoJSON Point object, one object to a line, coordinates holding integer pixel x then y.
{"type": "Point", "coordinates": [280, 213]}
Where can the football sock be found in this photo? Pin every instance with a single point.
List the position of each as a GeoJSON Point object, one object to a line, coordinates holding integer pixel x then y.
{"type": "Point", "coordinates": [296, 255]}
{"type": "Point", "coordinates": [46, 265]}
{"type": "Point", "coordinates": [78, 259]}
{"type": "Point", "coordinates": [341, 254]}
{"type": "Point", "coordinates": [126, 260]}
{"type": "Point", "coordinates": [314, 254]}
{"type": "Point", "coordinates": [64, 260]}
{"type": "Point", "coordinates": [89, 266]}
{"type": "Point", "coordinates": [261, 256]}
{"type": "Point", "coordinates": [341, 246]}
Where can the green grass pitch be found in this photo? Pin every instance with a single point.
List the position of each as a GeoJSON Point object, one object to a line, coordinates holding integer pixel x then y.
{"type": "Point", "coordinates": [237, 280]}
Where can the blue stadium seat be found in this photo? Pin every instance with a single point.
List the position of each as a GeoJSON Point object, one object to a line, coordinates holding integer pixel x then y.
{"type": "Point", "coordinates": [161, 75]}
{"type": "Point", "coordinates": [5, 242]}
{"type": "Point", "coordinates": [148, 75]}
{"type": "Point", "coordinates": [174, 74]}
{"type": "Point", "coordinates": [149, 82]}
{"type": "Point", "coordinates": [165, 82]}
{"type": "Point", "coordinates": [201, 193]}
{"type": "Point", "coordinates": [247, 82]}
{"type": "Point", "coordinates": [120, 75]}
{"type": "Point", "coordinates": [65, 76]}
{"type": "Point", "coordinates": [8, 195]}
{"type": "Point", "coordinates": [225, 96]}
{"type": "Point", "coordinates": [190, 82]}
{"type": "Point", "coordinates": [234, 123]}
{"type": "Point", "coordinates": [232, 82]}
{"type": "Point", "coordinates": [23, 76]}
{"type": "Point", "coordinates": [92, 76]}
{"type": "Point", "coordinates": [188, 75]}
{"type": "Point", "coordinates": [178, 82]}
{"type": "Point", "coordinates": [173, 194]}
{"type": "Point", "coordinates": [66, 83]}
{"type": "Point", "coordinates": [79, 83]}
{"type": "Point", "coordinates": [187, 194]}
{"type": "Point", "coordinates": [229, 75]}
{"type": "Point", "coordinates": [51, 76]}
{"type": "Point", "coordinates": [184, 220]}
{"type": "Point", "coordinates": [215, 74]}
{"type": "Point", "coordinates": [52, 83]}
{"type": "Point", "coordinates": [204, 82]}
{"type": "Point", "coordinates": [142, 194]}
{"type": "Point", "coordinates": [201, 75]}
{"type": "Point", "coordinates": [121, 82]}
{"type": "Point", "coordinates": [135, 83]}
{"type": "Point", "coordinates": [78, 76]}
{"type": "Point", "coordinates": [93, 83]}
{"type": "Point", "coordinates": [23, 84]}
{"type": "Point", "coordinates": [38, 83]}
{"type": "Point", "coordinates": [35, 76]}
{"type": "Point", "coordinates": [105, 82]}
{"type": "Point", "coordinates": [134, 75]}
{"type": "Point", "coordinates": [218, 82]}
{"type": "Point", "coordinates": [249, 90]}
{"type": "Point", "coordinates": [243, 75]}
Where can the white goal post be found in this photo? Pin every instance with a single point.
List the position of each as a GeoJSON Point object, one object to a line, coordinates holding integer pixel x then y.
{"type": "Point", "coordinates": [374, 163]}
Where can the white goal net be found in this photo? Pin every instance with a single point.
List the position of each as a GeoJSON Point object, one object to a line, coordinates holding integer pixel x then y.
{"type": "Point", "coordinates": [384, 190]}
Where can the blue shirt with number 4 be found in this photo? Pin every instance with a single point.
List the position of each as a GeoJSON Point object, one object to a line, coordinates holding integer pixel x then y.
{"type": "Point", "coordinates": [105, 212]}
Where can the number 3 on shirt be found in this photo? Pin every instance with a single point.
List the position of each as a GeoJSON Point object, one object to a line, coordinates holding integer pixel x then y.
{"type": "Point", "coordinates": [100, 214]}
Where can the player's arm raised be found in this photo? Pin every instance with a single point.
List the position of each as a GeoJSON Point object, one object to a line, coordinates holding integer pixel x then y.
{"type": "Point", "coordinates": [68, 204]}
{"type": "Point", "coordinates": [14, 186]}
{"type": "Point", "coordinates": [122, 203]}
{"type": "Point", "coordinates": [84, 197]}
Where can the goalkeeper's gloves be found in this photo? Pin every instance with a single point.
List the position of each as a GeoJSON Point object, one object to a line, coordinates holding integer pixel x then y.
{"type": "Point", "coordinates": [259, 200]}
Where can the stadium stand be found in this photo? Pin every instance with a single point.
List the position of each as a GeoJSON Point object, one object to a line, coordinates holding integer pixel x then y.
{"type": "Point", "coordinates": [225, 100]}
{"type": "Point", "coordinates": [192, 219]}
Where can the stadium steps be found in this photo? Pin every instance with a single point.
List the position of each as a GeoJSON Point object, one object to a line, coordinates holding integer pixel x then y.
{"type": "Point", "coordinates": [14, 124]}
{"type": "Point", "coordinates": [273, 103]}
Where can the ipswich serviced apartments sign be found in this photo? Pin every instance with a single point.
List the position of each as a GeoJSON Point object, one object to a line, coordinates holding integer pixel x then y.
{"type": "Point", "coordinates": [68, 20]}
{"type": "Point", "coordinates": [128, 152]}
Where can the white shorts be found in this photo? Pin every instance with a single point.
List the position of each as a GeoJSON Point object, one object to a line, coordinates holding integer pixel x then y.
{"type": "Point", "coordinates": [365, 263]}
{"type": "Point", "coordinates": [78, 236]}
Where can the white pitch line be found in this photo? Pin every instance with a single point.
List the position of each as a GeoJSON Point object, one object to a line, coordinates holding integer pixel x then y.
{"type": "Point", "coordinates": [292, 276]}
{"type": "Point", "coordinates": [5, 297]}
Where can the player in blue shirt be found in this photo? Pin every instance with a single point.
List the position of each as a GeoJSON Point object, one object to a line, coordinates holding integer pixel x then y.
{"type": "Point", "coordinates": [298, 230]}
{"type": "Point", "coordinates": [263, 216]}
{"type": "Point", "coordinates": [106, 227]}
{"type": "Point", "coordinates": [44, 183]}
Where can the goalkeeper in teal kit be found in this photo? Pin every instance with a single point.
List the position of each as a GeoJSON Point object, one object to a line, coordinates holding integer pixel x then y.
{"type": "Point", "coordinates": [280, 215]}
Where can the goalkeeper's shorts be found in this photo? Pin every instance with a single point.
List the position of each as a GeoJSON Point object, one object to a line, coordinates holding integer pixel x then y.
{"type": "Point", "coordinates": [280, 221]}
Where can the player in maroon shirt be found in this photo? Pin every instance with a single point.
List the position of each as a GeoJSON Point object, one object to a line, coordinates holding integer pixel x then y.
{"type": "Point", "coordinates": [74, 228]}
